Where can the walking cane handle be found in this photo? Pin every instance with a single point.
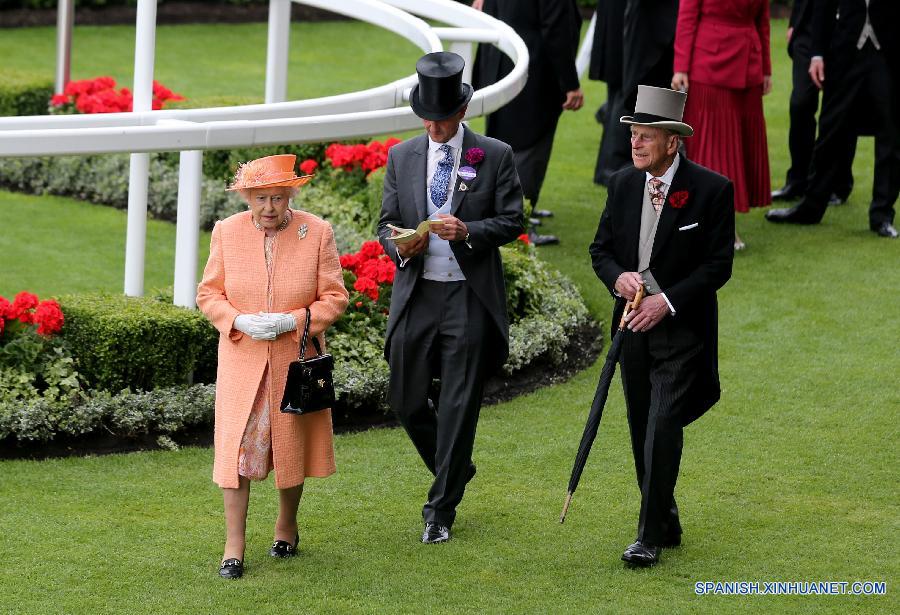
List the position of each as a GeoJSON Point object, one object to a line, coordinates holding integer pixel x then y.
{"type": "Point", "coordinates": [631, 305]}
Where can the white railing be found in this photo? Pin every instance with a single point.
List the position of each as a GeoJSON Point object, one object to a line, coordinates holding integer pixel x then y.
{"type": "Point", "coordinates": [374, 111]}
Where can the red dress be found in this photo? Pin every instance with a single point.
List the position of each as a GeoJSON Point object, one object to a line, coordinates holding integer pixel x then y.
{"type": "Point", "coordinates": [723, 46]}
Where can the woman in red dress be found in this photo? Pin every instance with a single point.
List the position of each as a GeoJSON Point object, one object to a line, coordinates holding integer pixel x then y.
{"type": "Point", "coordinates": [722, 56]}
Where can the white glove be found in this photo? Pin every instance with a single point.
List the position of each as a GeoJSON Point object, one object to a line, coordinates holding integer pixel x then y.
{"type": "Point", "coordinates": [282, 322]}
{"type": "Point", "coordinates": [255, 326]}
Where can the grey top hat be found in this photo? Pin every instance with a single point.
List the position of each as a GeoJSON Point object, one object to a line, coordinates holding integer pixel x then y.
{"type": "Point", "coordinates": [659, 107]}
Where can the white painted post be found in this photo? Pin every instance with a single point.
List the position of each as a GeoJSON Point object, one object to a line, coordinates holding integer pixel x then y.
{"type": "Point", "coordinates": [583, 59]}
{"type": "Point", "coordinates": [464, 49]}
{"type": "Point", "coordinates": [187, 233]}
{"type": "Point", "coordinates": [65, 19]}
{"type": "Point", "coordinates": [136, 237]}
{"type": "Point", "coordinates": [277, 50]}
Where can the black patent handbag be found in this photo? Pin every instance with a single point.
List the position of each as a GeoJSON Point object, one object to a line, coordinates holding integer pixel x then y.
{"type": "Point", "coordinates": [309, 386]}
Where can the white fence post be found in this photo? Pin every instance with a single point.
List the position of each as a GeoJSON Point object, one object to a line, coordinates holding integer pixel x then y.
{"type": "Point", "coordinates": [464, 49]}
{"type": "Point", "coordinates": [65, 19]}
{"type": "Point", "coordinates": [136, 237]}
{"type": "Point", "coordinates": [187, 233]}
{"type": "Point", "coordinates": [277, 50]}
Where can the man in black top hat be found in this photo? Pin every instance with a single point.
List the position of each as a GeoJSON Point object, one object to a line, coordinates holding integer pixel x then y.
{"type": "Point", "coordinates": [448, 316]}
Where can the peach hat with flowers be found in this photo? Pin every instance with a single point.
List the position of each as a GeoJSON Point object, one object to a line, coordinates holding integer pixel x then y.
{"type": "Point", "coordinates": [268, 172]}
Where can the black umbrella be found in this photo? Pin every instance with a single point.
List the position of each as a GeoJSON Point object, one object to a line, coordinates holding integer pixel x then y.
{"type": "Point", "coordinates": [593, 420]}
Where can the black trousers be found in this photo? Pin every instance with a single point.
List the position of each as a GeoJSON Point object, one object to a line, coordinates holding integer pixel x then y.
{"type": "Point", "coordinates": [863, 80]}
{"type": "Point", "coordinates": [442, 335]}
{"type": "Point", "coordinates": [531, 166]}
{"type": "Point", "coordinates": [659, 369]}
{"type": "Point", "coordinates": [802, 132]}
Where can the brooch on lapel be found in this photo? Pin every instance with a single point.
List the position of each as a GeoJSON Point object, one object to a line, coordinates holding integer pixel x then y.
{"type": "Point", "coordinates": [302, 231]}
{"type": "Point", "coordinates": [462, 186]}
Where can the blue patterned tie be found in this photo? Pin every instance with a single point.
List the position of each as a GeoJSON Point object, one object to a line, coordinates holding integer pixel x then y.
{"type": "Point", "coordinates": [440, 183]}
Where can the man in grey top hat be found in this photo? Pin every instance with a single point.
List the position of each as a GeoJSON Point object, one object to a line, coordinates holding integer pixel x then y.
{"type": "Point", "coordinates": [448, 305]}
{"type": "Point", "coordinates": [668, 226]}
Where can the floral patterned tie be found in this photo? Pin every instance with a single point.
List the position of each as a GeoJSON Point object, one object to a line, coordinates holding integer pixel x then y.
{"type": "Point", "coordinates": [657, 196]}
{"type": "Point", "coordinates": [440, 182]}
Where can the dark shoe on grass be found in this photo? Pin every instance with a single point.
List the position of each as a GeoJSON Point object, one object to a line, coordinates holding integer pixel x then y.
{"type": "Point", "coordinates": [232, 568]}
{"type": "Point", "coordinates": [885, 229]}
{"type": "Point", "coordinates": [282, 548]}
{"type": "Point", "coordinates": [641, 555]}
{"type": "Point", "coordinates": [435, 533]}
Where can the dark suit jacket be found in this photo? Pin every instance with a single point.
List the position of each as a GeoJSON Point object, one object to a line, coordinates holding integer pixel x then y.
{"type": "Point", "coordinates": [835, 39]}
{"type": "Point", "coordinates": [491, 208]}
{"type": "Point", "coordinates": [801, 22]}
{"type": "Point", "coordinates": [608, 45]}
{"type": "Point", "coordinates": [690, 264]}
{"type": "Point", "coordinates": [550, 29]}
{"type": "Point", "coordinates": [649, 34]}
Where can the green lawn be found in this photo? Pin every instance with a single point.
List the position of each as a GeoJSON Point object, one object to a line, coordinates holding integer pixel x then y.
{"type": "Point", "coordinates": [792, 477]}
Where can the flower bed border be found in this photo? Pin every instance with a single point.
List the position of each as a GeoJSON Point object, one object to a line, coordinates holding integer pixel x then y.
{"type": "Point", "coordinates": [583, 348]}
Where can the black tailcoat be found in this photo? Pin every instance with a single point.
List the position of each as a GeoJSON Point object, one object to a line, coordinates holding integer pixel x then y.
{"type": "Point", "coordinates": [691, 258]}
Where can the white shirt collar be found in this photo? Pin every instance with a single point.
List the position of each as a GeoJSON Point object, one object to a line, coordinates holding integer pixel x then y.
{"type": "Point", "coordinates": [455, 142]}
{"type": "Point", "coordinates": [669, 175]}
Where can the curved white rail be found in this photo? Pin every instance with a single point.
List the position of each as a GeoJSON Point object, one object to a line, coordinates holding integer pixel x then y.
{"type": "Point", "coordinates": [369, 112]}
{"type": "Point", "coordinates": [365, 113]}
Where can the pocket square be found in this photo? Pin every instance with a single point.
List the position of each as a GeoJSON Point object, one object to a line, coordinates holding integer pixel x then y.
{"type": "Point", "coordinates": [689, 226]}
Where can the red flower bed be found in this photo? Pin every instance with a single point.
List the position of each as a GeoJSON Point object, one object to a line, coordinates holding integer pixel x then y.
{"type": "Point", "coordinates": [27, 310]}
{"type": "Point", "coordinates": [371, 275]}
{"type": "Point", "coordinates": [369, 157]}
{"type": "Point", "coordinates": [101, 96]}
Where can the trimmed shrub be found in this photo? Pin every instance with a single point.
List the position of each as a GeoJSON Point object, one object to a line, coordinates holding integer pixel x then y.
{"type": "Point", "coordinates": [138, 343]}
{"type": "Point", "coordinates": [24, 93]}
{"type": "Point", "coordinates": [127, 414]}
{"type": "Point", "coordinates": [104, 180]}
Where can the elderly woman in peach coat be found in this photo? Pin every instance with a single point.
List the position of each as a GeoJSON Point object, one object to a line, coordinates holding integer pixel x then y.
{"type": "Point", "coordinates": [266, 267]}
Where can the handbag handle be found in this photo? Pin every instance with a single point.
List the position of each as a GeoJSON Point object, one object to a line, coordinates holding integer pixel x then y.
{"type": "Point", "coordinates": [315, 340]}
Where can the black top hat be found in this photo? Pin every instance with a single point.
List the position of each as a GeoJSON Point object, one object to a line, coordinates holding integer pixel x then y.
{"type": "Point", "coordinates": [440, 93]}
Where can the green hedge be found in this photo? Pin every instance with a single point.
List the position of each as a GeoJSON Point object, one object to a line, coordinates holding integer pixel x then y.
{"type": "Point", "coordinates": [139, 343]}
{"type": "Point", "coordinates": [23, 93]}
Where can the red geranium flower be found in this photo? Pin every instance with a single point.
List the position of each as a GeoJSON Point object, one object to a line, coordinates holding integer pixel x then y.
{"type": "Point", "coordinates": [59, 100]}
{"type": "Point", "coordinates": [4, 307]}
{"type": "Point", "coordinates": [371, 249]}
{"type": "Point", "coordinates": [367, 286]}
{"type": "Point", "coordinates": [49, 317]}
{"type": "Point", "coordinates": [524, 238]}
{"type": "Point", "coordinates": [679, 199]}
{"type": "Point", "coordinates": [22, 306]}
{"type": "Point", "coordinates": [309, 166]}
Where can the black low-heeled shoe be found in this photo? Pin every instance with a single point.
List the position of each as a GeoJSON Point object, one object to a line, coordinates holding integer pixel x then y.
{"type": "Point", "coordinates": [282, 548]}
{"type": "Point", "coordinates": [232, 568]}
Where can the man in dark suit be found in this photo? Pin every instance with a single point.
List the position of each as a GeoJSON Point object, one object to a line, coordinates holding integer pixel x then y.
{"type": "Point", "coordinates": [862, 56]}
{"type": "Point", "coordinates": [804, 104]}
{"type": "Point", "coordinates": [606, 65]}
{"type": "Point", "coordinates": [648, 39]}
{"type": "Point", "coordinates": [448, 304]}
{"type": "Point", "coordinates": [550, 30]}
{"type": "Point", "coordinates": [668, 226]}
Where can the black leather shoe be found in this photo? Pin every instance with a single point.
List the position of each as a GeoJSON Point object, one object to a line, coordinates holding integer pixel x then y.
{"type": "Point", "coordinates": [542, 240]}
{"type": "Point", "coordinates": [534, 221]}
{"type": "Point", "coordinates": [793, 215]}
{"type": "Point", "coordinates": [886, 229]}
{"type": "Point", "coordinates": [835, 200]}
{"type": "Point", "coordinates": [231, 569]}
{"type": "Point", "coordinates": [435, 534]}
{"type": "Point", "coordinates": [282, 548]}
{"type": "Point", "coordinates": [640, 554]}
{"type": "Point", "coordinates": [542, 213]}
{"type": "Point", "coordinates": [789, 192]}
